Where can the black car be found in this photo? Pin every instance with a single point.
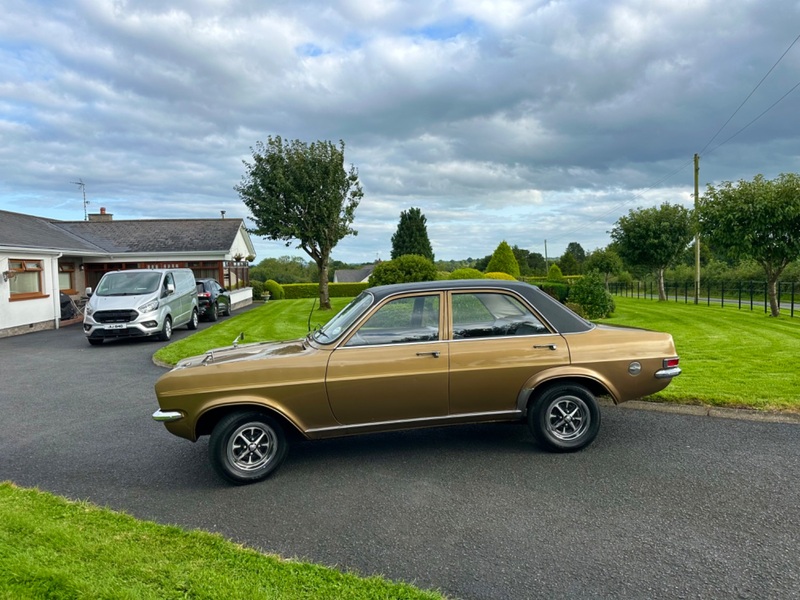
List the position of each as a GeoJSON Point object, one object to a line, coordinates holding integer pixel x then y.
{"type": "Point", "coordinates": [213, 300]}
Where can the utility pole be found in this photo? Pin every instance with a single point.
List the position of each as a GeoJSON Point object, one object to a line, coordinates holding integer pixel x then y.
{"type": "Point", "coordinates": [697, 232]}
{"type": "Point", "coordinates": [546, 262]}
{"type": "Point", "coordinates": [82, 185]}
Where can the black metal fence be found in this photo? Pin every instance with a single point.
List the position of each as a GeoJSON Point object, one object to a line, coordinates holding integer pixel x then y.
{"type": "Point", "coordinates": [752, 295]}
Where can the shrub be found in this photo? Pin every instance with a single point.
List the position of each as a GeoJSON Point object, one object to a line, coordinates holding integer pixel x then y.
{"type": "Point", "coordinates": [499, 275]}
{"type": "Point", "coordinates": [590, 294]}
{"type": "Point", "coordinates": [466, 273]}
{"type": "Point", "coordinates": [403, 269]}
{"type": "Point", "coordinates": [275, 289]}
{"type": "Point", "coordinates": [294, 291]}
{"type": "Point", "coordinates": [555, 274]}
{"type": "Point", "coordinates": [559, 291]}
{"type": "Point", "coordinates": [258, 289]}
{"type": "Point", "coordinates": [503, 261]}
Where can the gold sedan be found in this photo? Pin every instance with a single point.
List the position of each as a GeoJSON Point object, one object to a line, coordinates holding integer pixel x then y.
{"type": "Point", "coordinates": [414, 355]}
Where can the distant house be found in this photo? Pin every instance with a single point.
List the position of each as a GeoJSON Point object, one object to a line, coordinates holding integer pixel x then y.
{"type": "Point", "coordinates": [41, 258]}
{"type": "Point", "coordinates": [353, 275]}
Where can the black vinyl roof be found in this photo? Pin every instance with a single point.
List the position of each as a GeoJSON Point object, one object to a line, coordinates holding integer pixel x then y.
{"type": "Point", "coordinates": [558, 315]}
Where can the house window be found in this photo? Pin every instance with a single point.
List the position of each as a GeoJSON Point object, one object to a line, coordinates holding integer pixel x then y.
{"type": "Point", "coordinates": [27, 282]}
{"type": "Point", "coordinates": [66, 277]}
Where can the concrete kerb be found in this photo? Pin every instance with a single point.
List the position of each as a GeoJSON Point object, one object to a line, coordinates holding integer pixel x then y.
{"type": "Point", "coordinates": [709, 411]}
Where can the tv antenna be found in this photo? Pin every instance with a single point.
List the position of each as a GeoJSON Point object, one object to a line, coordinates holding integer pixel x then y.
{"type": "Point", "coordinates": [82, 185]}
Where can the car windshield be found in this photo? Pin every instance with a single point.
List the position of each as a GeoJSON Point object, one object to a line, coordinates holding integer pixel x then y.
{"type": "Point", "coordinates": [128, 284]}
{"type": "Point", "coordinates": [343, 320]}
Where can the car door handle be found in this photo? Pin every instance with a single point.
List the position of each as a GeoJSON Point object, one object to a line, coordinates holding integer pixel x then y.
{"type": "Point", "coordinates": [434, 354]}
{"type": "Point", "coordinates": [548, 346]}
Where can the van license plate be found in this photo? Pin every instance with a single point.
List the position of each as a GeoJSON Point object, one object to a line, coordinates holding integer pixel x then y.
{"type": "Point", "coordinates": [116, 326]}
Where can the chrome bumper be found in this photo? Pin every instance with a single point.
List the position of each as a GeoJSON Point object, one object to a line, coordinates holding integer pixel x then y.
{"type": "Point", "coordinates": [668, 373]}
{"type": "Point", "coordinates": [164, 416]}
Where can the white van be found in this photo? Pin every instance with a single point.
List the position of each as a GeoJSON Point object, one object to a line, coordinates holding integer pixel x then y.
{"type": "Point", "coordinates": [140, 302]}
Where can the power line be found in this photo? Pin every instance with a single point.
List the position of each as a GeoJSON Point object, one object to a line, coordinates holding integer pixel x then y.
{"type": "Point", "coordinates": [748, 98]}
{"type": "Point", "coordinates": [616, 207]}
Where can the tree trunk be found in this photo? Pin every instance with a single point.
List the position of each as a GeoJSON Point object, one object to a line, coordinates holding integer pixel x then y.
{"type": "Point", "coordinates": [662, 293]}
{"type": "Point", "coordinates": [774, 298]}
{"type": "Point", "coordinates": [324, 298]}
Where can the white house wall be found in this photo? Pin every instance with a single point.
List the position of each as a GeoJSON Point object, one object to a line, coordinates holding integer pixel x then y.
{"type": "Point", "coordinates": [34, 314]}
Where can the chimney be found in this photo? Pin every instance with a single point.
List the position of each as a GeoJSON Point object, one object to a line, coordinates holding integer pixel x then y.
{"type": "Point", "coordinates": [102, 216]}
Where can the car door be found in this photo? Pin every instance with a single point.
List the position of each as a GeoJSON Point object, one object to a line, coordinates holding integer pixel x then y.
{"type": "Point", "coordinates": [498, 343]}
{"type": "Point", "coordinates": [394, 367]}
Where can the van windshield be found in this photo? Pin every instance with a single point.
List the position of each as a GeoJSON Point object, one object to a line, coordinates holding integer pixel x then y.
{"type": "Point", "coordinates": [128, 284]}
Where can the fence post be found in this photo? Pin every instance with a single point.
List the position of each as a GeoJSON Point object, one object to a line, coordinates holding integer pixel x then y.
{"type": "Point", "coordinates": [765, 297]}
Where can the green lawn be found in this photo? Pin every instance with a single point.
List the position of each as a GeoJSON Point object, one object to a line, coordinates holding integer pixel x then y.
{"type": "Point", "coordinates": [52, 548]}
{"type": "Point", "coordinates": [729, 357]}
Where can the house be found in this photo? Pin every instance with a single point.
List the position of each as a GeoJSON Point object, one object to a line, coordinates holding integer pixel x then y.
{"type": "Point", "coordinates": [353, 275]}
{"type": "Point", "coordinates": [40, 258]}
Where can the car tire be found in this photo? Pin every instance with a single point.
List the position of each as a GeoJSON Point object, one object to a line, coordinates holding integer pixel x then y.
{"type": "Point", "coordinates": [213, 312]}
{"type": "Point", "coordinates": [564, 418]}
{"type": "Point", "coordinates": [227, 309]}
{"type": "Point", "coordinates": [194, 321]}
{"type": "Point", "coordinates": [246, 447]}
{"type": "Point", "coordinates": [166, 331]}
{"type": "Point", "coordinates": [95, 341]}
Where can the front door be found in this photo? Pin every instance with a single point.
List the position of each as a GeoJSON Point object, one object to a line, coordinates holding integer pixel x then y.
{"type": "Point", "coordinates": [394, 367]}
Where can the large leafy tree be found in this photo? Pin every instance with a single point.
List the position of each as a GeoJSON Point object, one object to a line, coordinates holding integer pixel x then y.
{"type": "Point", "coordinates": [605, 261]}
{"type": "Point", "coordinates": [653, 238]}
{"type": "Point", "coordinates": [411, 236]}
{"type": "Point", "coordinates": [758, 219]}
{"type": "Point", "coordinates": [578, 252]}
{"type": "Point", "coordinates": [302, 192]}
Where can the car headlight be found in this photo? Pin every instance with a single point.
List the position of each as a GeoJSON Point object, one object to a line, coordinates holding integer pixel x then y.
{"type": "Point", "coordinates": [149, 307]}
{"type": "Point", "coordinates": [88, 310]}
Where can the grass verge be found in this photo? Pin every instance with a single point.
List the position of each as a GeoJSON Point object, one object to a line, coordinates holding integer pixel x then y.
{"type": "Point", "coordinates": [53, 548]}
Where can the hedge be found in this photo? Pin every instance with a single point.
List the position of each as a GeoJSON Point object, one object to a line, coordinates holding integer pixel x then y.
{"type": "Point", "coordinates": [294, 291]}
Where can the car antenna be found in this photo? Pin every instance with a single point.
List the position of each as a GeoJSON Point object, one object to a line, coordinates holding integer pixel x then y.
{"type": "Point", "coordinates": [313, 304]}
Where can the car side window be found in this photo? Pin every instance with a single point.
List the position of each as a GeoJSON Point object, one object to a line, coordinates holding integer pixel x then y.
{"type": "Point", "coordinates": [401, 321]}
{"type": "Point", "coordinates": [489, 314]}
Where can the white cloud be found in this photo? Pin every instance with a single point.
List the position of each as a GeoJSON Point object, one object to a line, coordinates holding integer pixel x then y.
{"type": "Point", "coordinates": [514, 120]}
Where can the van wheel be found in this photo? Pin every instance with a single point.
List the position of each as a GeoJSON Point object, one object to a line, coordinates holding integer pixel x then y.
{"type": "Point", "coordinates": [194, 320]}
{"type": "Point", "coordinates": [166, 333]}
{"type": "Point", "coordinates": [213, 312]}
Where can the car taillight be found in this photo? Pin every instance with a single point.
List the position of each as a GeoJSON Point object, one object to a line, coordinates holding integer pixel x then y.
{"type": "Point", "coordinates": [671, 362]}
{"type": "Point", "coordinates": [204, 295]}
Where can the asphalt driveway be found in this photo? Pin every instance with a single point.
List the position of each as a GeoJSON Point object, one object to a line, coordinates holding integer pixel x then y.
{"type": "Point", "coordinates": [660, 506]}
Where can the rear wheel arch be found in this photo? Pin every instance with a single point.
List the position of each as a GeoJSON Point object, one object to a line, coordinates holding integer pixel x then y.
{"type": "Point", "coordinates": [596, 387]}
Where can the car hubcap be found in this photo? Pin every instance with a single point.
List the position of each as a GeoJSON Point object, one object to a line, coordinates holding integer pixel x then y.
{"type": "Point", "coordinates": [252, 446]}
{"type": "Point", "coordinates": [568, 418]}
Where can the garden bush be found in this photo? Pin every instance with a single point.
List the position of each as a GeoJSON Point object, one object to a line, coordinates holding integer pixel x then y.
{"type": "Point", "coordinates": [466, 273]}
{"type": "Point", "coordinates": [590, 294]}
{"type": "Point", "coordinates": [258, 289]}
{"type": "Point", "coordinates": [499, 275]}
{"type": "Point", "coordinates": [275, 289]}
{"type": "Point", "coordinates": [403, 269]}
{"type": "Point", "coordinates": [295, 291]}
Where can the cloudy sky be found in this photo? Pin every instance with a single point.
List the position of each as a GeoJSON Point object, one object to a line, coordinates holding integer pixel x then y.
{"type": "Point", "coordinates": [512, 120]}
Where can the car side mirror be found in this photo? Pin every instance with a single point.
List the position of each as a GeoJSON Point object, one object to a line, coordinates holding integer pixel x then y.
{"type": "Point", "coordinates": [87, 292]}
